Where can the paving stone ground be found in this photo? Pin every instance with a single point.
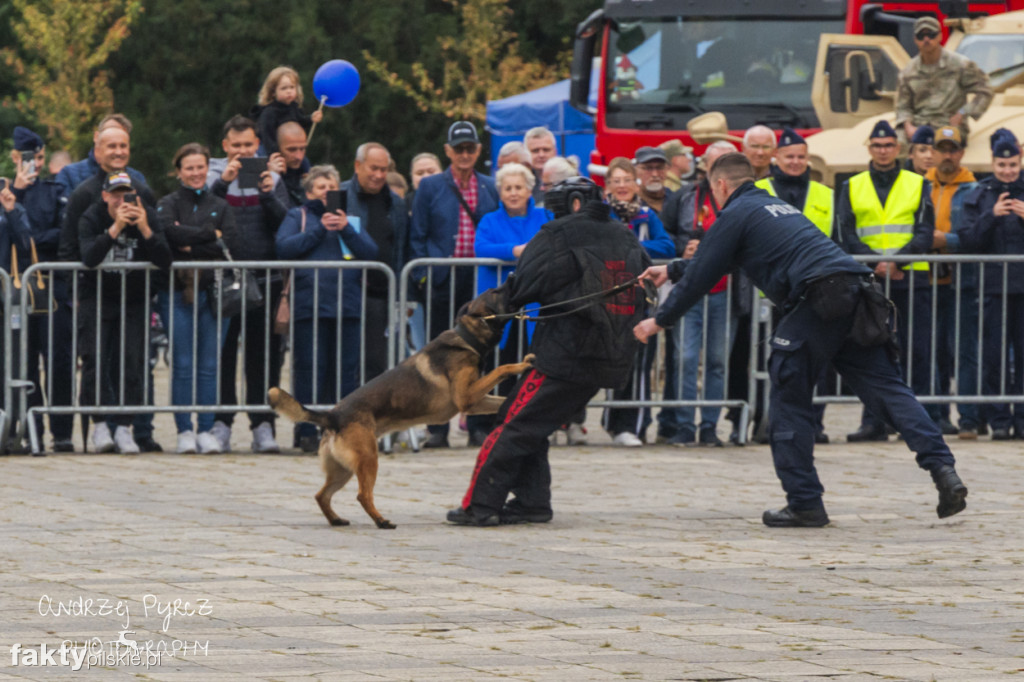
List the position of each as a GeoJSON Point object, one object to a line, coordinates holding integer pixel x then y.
{"type": "Point", "coordinates": [655, 567]}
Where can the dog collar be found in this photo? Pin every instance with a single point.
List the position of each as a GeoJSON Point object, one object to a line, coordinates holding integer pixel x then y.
{"type": "Point", "coordinates": [479, 347]}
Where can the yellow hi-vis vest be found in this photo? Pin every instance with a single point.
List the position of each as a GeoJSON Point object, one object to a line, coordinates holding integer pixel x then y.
{"type": "Point", "coordinates": [817, 204]}
{"type": "Point", "coordinates": [887, 230]}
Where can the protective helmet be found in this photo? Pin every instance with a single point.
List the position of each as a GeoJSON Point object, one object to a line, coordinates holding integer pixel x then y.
{"type": "Point", "coordinates": [559, 199]}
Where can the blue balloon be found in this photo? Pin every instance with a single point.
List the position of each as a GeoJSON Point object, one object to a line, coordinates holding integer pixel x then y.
{"type": "Point", "coordinates": [337, 80]}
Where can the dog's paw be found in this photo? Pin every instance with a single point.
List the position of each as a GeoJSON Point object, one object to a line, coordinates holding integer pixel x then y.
{"type": "Point", "coordinates": [339, 522]}
{"type": "Point", "coordinates": [386, 525]}
{"type": "Point", "coordinates": [529, 359]}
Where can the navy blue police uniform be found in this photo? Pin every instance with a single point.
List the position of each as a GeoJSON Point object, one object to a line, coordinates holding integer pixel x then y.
{"type": "Point", "coordinates": [984, 232]}
{"type": "Point", "coordinates": [788, 258]}
{"type": "Point", "coordinates": [576, 355]}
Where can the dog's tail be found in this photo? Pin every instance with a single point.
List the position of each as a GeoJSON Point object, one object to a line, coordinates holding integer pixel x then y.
{"type": "Point", "coordinates": [287, 406]}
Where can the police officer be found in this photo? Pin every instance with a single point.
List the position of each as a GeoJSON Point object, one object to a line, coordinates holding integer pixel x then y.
{"type": "Point", "coordinates": [790, 181]}
{"type": "Point", "coordinates": [819, 288]}
{"type": "Point", "coordinates": [993, 223]}
{"type": "Point", "coordinates": [921, 157]}
{"type": "Point", "coordinates": [583, 251]}
{"type": "Point", "coordinates": [44, 201]}
{"type": "Point", "coordinates": [886, 211]}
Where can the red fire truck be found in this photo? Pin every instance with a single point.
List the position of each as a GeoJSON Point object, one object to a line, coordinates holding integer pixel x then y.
{"type": "Point", "coordinates": [644, 68]}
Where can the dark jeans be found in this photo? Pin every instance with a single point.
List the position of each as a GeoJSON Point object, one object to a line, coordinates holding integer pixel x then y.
{"type": "Point", "coordinates": [319, 366]}
{"type": "Point", "coordinates": [967, 379]}
{"type": "Point", "coordinates": [59, 370]}
{"type": "Point", "coordinates": [375, 316]}
{"type": "Point", "coordinates": [1002, 361]}
{"type": "Point", "coordinates": [263, 359]}
{"type": "Point", "coordinates": [120, 343]}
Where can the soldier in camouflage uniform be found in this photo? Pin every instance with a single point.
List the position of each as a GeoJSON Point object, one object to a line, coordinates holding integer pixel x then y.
{"type": "Point", "coordinates": [934, 86]}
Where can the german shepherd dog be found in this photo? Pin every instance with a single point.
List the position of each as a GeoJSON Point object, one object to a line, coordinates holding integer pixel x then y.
{"type": "Point", "coordinates": [429, 387]}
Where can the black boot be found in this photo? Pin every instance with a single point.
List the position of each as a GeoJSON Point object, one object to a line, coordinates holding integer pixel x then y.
{"type": "Point", "coordinates": [952, 491]}
{"type": "Point", "coordinates": [867, 433]}
{"type": "Point", "coordinates": [792, 518]}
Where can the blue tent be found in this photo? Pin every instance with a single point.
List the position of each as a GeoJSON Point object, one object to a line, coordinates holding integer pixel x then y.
{"type": "Point", "coordinates": [508, 119]}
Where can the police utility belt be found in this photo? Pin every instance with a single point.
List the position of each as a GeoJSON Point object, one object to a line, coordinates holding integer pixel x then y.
{"type": "Point", "coordinates": [846, 294]}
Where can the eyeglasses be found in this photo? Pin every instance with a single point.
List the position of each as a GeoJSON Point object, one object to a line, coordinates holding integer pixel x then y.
{"type": "Point", "coordinates": [882, 145]}
{"type": "Point", "coordinates": [926, 35]}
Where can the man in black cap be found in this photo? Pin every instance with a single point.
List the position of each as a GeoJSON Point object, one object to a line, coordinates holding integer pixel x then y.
{"type": "Point", "coordinates": [117, 231]}
{"type": "Point", "coordinates": [44, 201]}
{"type": "Point", "coordinates": [819, 289]}
{"type": "Point", "coordinates": [888, 211]}
{"type": "Point", "coordinates": [921, 157]}
{"type": "Point", "coordinates": [446, 210]}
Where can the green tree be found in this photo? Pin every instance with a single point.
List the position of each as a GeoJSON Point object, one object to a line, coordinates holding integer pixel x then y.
{"type": "Point", "coordinates": [60, 68]}
{"type": "Point", "coordinates": [481, 62]}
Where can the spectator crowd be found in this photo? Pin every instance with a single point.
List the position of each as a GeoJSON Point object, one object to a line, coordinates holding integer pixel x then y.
{"type": "Point", "coordinates": [259, 198]}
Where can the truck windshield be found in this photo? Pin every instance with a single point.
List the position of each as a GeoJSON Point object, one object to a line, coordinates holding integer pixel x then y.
{"type": "Point", "coordinates": [1000, 56]}
{"type": "Point", "coordinates": [764, 68]}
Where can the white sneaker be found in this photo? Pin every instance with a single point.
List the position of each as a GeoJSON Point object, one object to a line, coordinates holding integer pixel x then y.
{"type": "Point", "coordinates": [627, 440]}
{"type": "Point", "coordinates": [124, 442]}
{"type": "Point", "coordinates": [577, 435]}
{"type": "Point", "coordinates": [222, 432]}
{"type": "Point", "coordinates": [263, 439]}
{"type": "Point", "coordinates": [208, 443]}
{"type": "Point", "coordinates": [101, 439]}
{"type": "Point", "coordinates": [187, 443]}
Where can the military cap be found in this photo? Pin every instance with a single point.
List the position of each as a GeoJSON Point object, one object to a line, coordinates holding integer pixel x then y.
{"type": "Point", "coordinates": [27, 141]}
{"type": "Point", "coordinates": [882, 129]}
{"type": "Point", "coordinates": [790, 137]}
{"type": "Point", "coordinates": [1001, 134]}
{"type": "Point", "coordinates": [927, 24]}
{"type": "Point", "coordinates": [1005, 149]}
{"type": "Point", "coordinates": [924, 135]}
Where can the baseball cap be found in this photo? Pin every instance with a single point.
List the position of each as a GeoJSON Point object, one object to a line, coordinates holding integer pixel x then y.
{"type": "Point", "coordinates": [927, 24]}
{"type": "Point", "coordinates": [948, 134]}
{"type": "Point", "coordinates": [116, 181]}
{"type": "Point", "coordinates": [648, 154]}
{"type": "Point", "coordinates": [462, 131]}
{"type": "Point", "coordinates": [674, 148]}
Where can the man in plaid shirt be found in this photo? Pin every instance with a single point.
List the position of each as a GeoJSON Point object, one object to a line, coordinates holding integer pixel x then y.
{"type": "Point", "coordinates": [447, 208]}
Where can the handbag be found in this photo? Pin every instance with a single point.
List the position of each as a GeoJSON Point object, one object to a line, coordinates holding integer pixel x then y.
{"type": "Point", "coordinates": [283, 312]}
{"type": "Point", "coordinates": [225, 291]}
{"type": "Point", "coordinates": [32, 290]}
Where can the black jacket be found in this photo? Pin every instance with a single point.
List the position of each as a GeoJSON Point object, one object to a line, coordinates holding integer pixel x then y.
{"type": "Point", "coordinates": [985, 233]}
{"type": "Point", "coordinates": [580, 254]}
{"type": "Point", "coordinates": [85, 195]}
{"type": "Point", "coordinates": [771, 241]}
{"type": "Point", "coordinates": [97, 247]}
{"type": "Point", "coordinates": [191, 218]}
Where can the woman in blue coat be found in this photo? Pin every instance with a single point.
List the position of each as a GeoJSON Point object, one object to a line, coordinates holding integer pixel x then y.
{"type": "Point", "coordinates": [310, 233]}
{"type": "Point", "coordinates": [504, 234]}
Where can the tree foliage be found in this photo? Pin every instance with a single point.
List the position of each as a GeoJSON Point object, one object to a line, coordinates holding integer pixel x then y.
{"type": "Point", "coordinates": [481, 62]}
{"type": "Point", "coordinates": [60, 68]}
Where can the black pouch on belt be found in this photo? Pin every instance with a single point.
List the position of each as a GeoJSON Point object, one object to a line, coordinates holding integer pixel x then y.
{"type": "Point", "coordinates": [834, 296]}
{"type": "Point", "coordinates": [875, 313]}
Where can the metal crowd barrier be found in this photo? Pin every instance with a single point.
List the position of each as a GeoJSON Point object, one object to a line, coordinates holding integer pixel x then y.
{"type": "Point", "coordinates": [271, 274]}
{"type": "Point", "coordinates": [399, 339]}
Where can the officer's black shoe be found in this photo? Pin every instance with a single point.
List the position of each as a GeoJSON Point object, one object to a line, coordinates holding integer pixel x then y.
{"type": "Point", "coordinates": [1001, 434]}
{"type": "Point", "coordinates": [821, 438]}
{"type": "Point", "coordinates": [947, 427]}
{"type": "Point", "coordinates": [477, 437]}
{"type": "Point", "coordinates": [791, 518]}
{"type": "Point", "coordinates": [436, 440]}
{"type": "Point", "coordinates": [867, 433]}
{"type": "Point", "coordinates": [309, 443]}
{"type": "Point", "coordinates": [63, 445]}
{"type": "Point", "coordinates": [147, 444]}
{"type": "Point", "coordinates": [952, 491]}
{"type": "Point", "coordinates": [513, 513]}
{"type": "Point", "coordinates": [463, 517]}
{"type": "Point", "coordinates": [734, 437]}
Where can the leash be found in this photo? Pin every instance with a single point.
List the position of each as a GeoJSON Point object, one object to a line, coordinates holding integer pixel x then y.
{"type": "Point", "coordinates": [651, 299]}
